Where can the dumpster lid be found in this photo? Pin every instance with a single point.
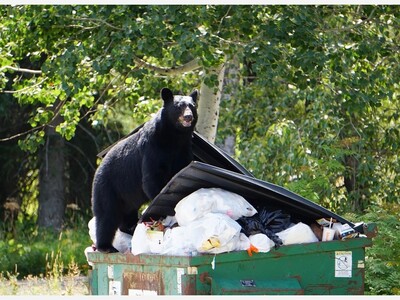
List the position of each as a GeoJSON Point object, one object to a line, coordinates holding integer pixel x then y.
{"type": "Point", "coordinates": [206, 152]}
{"type": "Point", "coordinates": [213, 167]}
{"type": "Point", "coordinates": [203, 151]}
{"type": "Point", "coordinates": [260, 194]}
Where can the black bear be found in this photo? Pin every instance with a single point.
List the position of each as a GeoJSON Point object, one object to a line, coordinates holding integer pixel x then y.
{"type": "Point", "coordinates": [136, 169]}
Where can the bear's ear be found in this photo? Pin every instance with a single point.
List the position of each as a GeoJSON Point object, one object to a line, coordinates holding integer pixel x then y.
{"type": "Point", "coordinates": [194, 95]}
{"type": "Point", "coordinates": [166, 95]}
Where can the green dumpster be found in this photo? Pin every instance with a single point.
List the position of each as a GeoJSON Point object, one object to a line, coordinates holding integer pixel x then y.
{"type": "Point", "coordinates": [320, 268]}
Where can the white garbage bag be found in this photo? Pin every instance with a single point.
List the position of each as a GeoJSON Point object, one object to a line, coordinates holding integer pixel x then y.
{"type": "Point", "coordinates": [298, 234]}
{"type": "Point", "coordinates": [89, 250]}
{"type": "Point", "coordinates": [121, 242]}
{"type": "Point", "coordinates": [140, 242]}
{"type": "Point", "coordinates": [213, 233]}
{"type": "Point", "coordinates": [156, 241]}
{"type": "Point", "coordinates": [169, 221]}
{"type": "Point", "coordinates": [212, 200]}
{"type": "Point", "coordinates": [177, 243]}
{"type": "Point", "coordinates": [262, 242]}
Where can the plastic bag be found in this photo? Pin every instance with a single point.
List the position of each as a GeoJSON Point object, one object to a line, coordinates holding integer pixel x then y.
{"type": "Point", "coordinates": [243, 243]}
{"type": "Point", "coordinates": [169, 221]}
{"type": "Point", "coordinates": [298, 234]}
{"type": "Point", "coordinates": [177, 243]}
{"type": "Point", "coordinates": [262, 242]}
{"type": "Point", "coordinates": [155, 240]}
{"type": "Point", "coordinates": [140, 243]}
{"type": "Point", "coordinates": [155, 236]}
{"type": "Point", "coordinates": [256, 243]}
{"type": "Point", "coordinates": [86, 251]}
{"type": "Point", "coordinates": [266, 222]}
{"type": "Point", "coordinates": [121, 242]}
{"type": "Point", "coordinates": [214, 233]}
{"type": "Point", "coordinates": [212, 200]}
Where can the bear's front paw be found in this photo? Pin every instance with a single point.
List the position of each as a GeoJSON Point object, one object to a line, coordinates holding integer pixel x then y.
{"type": "Point", "coordinates": [109, 249]}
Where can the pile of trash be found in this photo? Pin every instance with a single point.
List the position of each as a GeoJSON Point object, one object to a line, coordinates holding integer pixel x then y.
{"type": "Point", "coordinates": [214, 220]}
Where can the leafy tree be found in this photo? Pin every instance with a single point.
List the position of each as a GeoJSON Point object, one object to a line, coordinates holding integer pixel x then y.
{"type": "Point", "coordinates": [311, 101]}
{"type": "Point", "coordinates": [75, 59]}
{"type": "Point", "coordinates": [317, 107]}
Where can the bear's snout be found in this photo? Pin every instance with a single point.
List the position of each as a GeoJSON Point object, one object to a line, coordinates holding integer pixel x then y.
{"type": "Point", "coordinates": [188, 113]}
{"type": "Point", "coordinates": [187, 117]}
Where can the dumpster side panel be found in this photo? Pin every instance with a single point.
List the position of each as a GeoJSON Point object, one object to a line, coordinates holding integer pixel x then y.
{"type": "Point", "coordinates": [289, 286]}
{"type": "Point", "coordinates": [93, 282]}
{"type": "Point", "coordinates": [102, 279]}
{"type": "Point", "coordinates": [322, 268]}
{"type": "Point", "coordinates": [126, 274]}
{"type": "Point", "coordinates": [328, 272]}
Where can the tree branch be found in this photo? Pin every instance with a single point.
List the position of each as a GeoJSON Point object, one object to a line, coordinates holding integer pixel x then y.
{"type": "Point", "coordinates": [49, 124]}
{"type": "Point", "coordinates": [96, 21]}
{"type": "Point", "coordinates": [220, 22]}
{"type": "Point", "coordinates": [22, 133]}
{"type": "Point", "coordinates": [190, 66]}
{"type": "Point", "coordinates": [22, 70]}
{"type": "Point", "coordinates": [26, 88]}
{"type": "Point", "coordinates": [351, 27]}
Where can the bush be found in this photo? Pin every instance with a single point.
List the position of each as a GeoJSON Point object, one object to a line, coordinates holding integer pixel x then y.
{"type": "Point", "coordinates": [38, 252]}
{"type": "Point", "coordinates": [382, 273]}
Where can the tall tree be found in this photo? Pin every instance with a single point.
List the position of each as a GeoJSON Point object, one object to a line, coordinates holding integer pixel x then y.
{"type": "Point", "coordinates": [52, 181]}
{"type": "Point", "coordinates": [313, 110]}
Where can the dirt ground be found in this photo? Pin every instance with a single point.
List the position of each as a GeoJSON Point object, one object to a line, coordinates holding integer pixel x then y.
{"type": "Point", "coordinates": [66, 286]}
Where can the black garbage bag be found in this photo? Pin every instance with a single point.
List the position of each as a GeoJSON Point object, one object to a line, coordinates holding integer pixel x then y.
{"type": "Point", "coordinates": [266, 222]}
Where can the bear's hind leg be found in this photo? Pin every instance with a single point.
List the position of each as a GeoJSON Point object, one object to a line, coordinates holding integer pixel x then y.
{"type": "Point", "coordinates": [107, 217]}
{"type": "Point", "coordinates": [105, 232]}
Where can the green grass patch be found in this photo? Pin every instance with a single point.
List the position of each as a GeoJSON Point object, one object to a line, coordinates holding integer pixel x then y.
{"type": "Point", "coordinates": [42, 252]}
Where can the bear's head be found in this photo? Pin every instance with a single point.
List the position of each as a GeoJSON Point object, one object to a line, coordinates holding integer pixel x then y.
{"type": "Point", "coordinates": [180, 110]}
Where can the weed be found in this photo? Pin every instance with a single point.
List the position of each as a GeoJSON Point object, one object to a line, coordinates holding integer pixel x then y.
{"type": "Point", "coordinates": [40, 252]}
{"type": "Point", "coordinates": [9, 282]}
{"type": "Point", "coordinates": [53, 283]}
{"type": "Point", "coordinates": [39, 261]}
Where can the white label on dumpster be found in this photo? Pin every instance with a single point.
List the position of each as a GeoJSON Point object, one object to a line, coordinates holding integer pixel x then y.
{"type": "Point", "coordinates": [110, 271]}
{"type": "Point", "coordinates": [179, 273]}
{"type": "Point", "coordinates": [136, 292]}
{"type": "Point", "coordinates": [343, 263]}
{"type": "Point", "coordinates": [114, 288]}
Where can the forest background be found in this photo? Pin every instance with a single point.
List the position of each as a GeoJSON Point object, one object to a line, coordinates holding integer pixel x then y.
{"type": "Point", "coordinates": [306, 97]}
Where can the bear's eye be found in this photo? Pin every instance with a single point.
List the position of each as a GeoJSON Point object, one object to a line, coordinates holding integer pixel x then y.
{"type": "Point", "coordinates": [184, 105]}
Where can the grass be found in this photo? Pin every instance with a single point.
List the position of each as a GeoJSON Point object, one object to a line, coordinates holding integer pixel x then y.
{"type": "Point", "coordinates": [43, 262]}
{"type": "Point", "coordinates": [33, 285]}
{"type": "Point", "coordinates": [53, 283]}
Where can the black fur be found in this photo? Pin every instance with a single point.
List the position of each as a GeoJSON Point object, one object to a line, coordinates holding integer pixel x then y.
{"type": "Point", "coordinates": [136, 169]}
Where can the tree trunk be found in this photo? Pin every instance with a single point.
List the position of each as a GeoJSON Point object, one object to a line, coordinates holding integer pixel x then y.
{"type": "Point", "coordinates": [51, 182]}
{"type": "Point", "coordinates": [208, 107]}
{"type": "Point", "coordinates": [350, 182]}
{"type": "Point", "coordinates": [210, 96]}
{"type": "Point", "coordinates": [230, 90]}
